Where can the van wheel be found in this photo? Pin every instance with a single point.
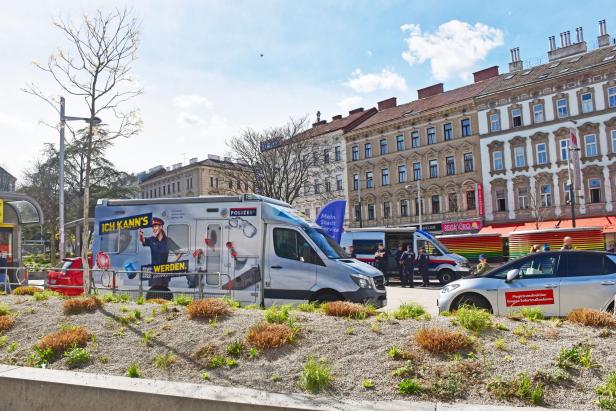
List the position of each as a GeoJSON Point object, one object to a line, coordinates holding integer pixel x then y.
{"type": "Point", "coordinates": [474, 300]}
{"type": "Point", "coordinates": [445, 276]}
{"type": "Point", "coordinates": [327, 296]}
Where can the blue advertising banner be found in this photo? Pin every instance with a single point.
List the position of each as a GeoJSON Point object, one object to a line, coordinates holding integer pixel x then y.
{"type": "Point", "coordinates": [331, 218]}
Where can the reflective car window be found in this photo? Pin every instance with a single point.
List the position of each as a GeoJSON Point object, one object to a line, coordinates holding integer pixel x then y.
{"type": "Point", "coordinates": [539, 266]}
{"type": "Point", "coordinates": [587, 264]}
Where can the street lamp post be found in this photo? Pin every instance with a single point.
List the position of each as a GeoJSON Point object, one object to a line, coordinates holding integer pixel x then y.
{"type": "Point", "coordinates": [63, 119]}
{"type": "Point", "coordinates": [571, 148]}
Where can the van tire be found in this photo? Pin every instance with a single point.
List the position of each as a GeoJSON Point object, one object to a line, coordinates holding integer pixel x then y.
{"type": "Point", "coordinates": [445, 276]}
{"type": "Point", "coordinates": [325, 296]}
{"type": "Point", "coordinates": [472, 299]}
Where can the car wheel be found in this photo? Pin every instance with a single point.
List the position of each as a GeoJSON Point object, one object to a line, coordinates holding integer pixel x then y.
{"type": "Point", "coordinates": [445, 276]}
{"type": "Point", "coordinates": [474, 300]}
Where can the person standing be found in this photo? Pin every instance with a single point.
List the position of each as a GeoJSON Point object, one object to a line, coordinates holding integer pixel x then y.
{"type": "Point", "coordinates": [407, 262]}
{"type": "Point", "coordinates": [483, 266]}
{"type": "Point", "coordinates": [398, 258]}
{"type": "Point", "coordinates": [567, 244]}
{"type": "Point", "coordinates": [379, 261]}
{"type": "Point", "coordinates": [423, 263]}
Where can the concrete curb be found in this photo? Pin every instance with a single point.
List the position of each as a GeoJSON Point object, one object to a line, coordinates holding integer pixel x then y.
{"type": "Point", "coordinates": [29, 389]}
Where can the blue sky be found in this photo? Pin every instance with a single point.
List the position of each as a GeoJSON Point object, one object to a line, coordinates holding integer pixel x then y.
{"type": "Point", "coordinates": [204, 80]}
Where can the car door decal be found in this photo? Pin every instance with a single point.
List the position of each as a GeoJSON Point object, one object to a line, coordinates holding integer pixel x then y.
{"type": "Point", "coordinates": [531, 297]}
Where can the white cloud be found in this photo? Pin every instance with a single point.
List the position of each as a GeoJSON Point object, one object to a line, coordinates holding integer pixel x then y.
{"type": "Point", "coordinates": [387, 79]}
{"type": "Point", "coordinates": [349, 103]}
{"type": "Point", "coordinates": [453, 49]}
{"type": "Point", "coordinates": [188, 101]}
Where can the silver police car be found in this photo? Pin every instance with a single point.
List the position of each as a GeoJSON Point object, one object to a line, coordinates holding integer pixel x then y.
{"type": "Point", "coordinates": [556, 282]}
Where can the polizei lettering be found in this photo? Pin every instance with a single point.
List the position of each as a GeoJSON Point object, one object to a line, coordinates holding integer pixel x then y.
{"type": "Point", "coordinates": [125, 223]}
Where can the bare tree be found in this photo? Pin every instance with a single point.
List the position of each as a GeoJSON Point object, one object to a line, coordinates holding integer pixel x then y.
{"type": "Point", "coordinates": [539, 208]}
{"type": "Point", "coordinates": [278, 162]}
{"type": "Point", "coordinates": [96, 67]}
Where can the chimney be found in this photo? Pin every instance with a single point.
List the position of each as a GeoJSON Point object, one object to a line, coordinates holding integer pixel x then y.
{"type": "Point", "coordinates": [562, 40]}
{"type": "Point", "coordinates": [385, 104]}
{"type": "Point", "coordinates": [192, 160]}
{"type": "Point", "coordinates": [552, 41]}
{"type": "Point", "coordinates": [176, 166]}
{"type": "Point", "coordinates": [567, 48]}
{"type": "Point", "coordinates": [337, 117]}
{"type": "Point", "coordinates": [485, 73]}
{"type": "Point", "coordinates": [356, 110]}
{"type": "Point", "coordinates": [579, 35]}
{"type": "Point", "coordinates": [604, 38]}
{"type": "Point", "coordinates": [213, 157]}
{"type": "Point", "coordinates": [515, 64]}
{"type": "Point", "coordinates": [430, 91]}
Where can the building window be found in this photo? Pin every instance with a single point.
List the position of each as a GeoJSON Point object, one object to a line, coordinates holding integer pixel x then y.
{"type": "Point", "coordinates": [211, 181]}
{"type": "Point", "coordinates": [339, 182]}
{"type": "Point", "coordinates": [337, 153]}
{"type": "Point", "coordinates": [328, 186]}
{"type": "Point", "coordinates": [417, 206]}
{"type": "Point", "coordinates": [468, 162]}
{"type": "Point", "coordinates": [436, 204]}
{"type": "Point", "coordinates": [590, 145]}
{"type": "Point", "coordinates": [307, 212]}
{"type": "Point", "coordinates": [546, 195]}
{"type": "Point", "coordinates": [501, 202]}
{"type": "Point", "coordinates": [400, 143]}
{"type": "Point", "coordinates": [401, 174]}
{"type": "Point", "coordinates": [523, 198]}
{"type": "Point", "coordinates": [594, 186]}
{"type": "Point", "coordinates": [369, 180]}
{"type": "Point", "coordinates": [587, 106]}
{"type": "Point", "coordinates": [466, 127]}
{"type": "Point", "coordinates": [230, 184]}
{"type": "Point", "coordinates": [494, 122]}
{"type": "Point", "coordinates": [326, 156]}
{"type": "Point", "coordinates": [370, 211]}
{"type": "Point", "coordinates": [404, 208]}
{"type": "Point", "coordinates": [386, 209]}
{"type": "Point", "coordinates": [538, 113]}
{"type": "Point", "coordinates": [497, 160]}
{"type": "Point", "coordinates": [542, 153]}
{"type": "Point", "coordinates": [447, 131]}
{"type": "Point", "coordinates": [368, 150]}
{"type": "Point", "coordinates": [564, 149]}
{"type": "Point", "coordinates": [562, 108]}
{"type": "Point", "coordinates": [431, 135]}
{"type": "Point", "coordinates": [611, 97]}
{"type": "Point", "coordinates": [385, 176]}
{"type": "Point", "coordinates": [567, 191]}
{"type": "Point", "coordinates": [317, 211]}
{"type": "Point", "coordinates": [415, 139]}
{"type": "Point", "coordinates": [451, 166]}
{"type": "Point", "coordinates": [357, 212]}
{"type": "Point", "coordinates": [306, 188]}
{"type": "Point", "coordinates": [470, 200]}
{"type": "Point", "coordinates": [355, 182]}
{"type": "Point", "coordinates": [433, 168]}
{"type": "Point", "coordinates": [516, 117]}
{"type": "Point", "coordinates": [416, 171]}
{"type": "Point", "coordinates": [383, 145]}
{"type": "Point", "coordinates": [164, 190]}
{"type": "Point", "coordinates": [355, 153]}
{"type": "Point", "coordinates": [520, 157]}
{"type": "Point", "coordinates": [614, 141]}
{"type": "Point", "coordinates": [317, 186]}
{"type": "Point", "coordinates": [453, 202]}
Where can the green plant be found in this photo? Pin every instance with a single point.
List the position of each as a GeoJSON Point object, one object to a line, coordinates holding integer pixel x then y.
{"type": "Point", "coordinates": [276, 377]}
{"type": "Point", "coordinates": [578, 355]}
{"type": "Point", "coordinates": [164, 360]}
{"type": "Point", "coordinates": [205, 376]}
{"type": "Point", "coordinates": [501, 327]}
{"type": "Point", "coordinates": [4, 309]}
{"type": "Point", "coordinates": [409, 310]}
{"type": "Point", "coordinates": [525, 331]}
{"type": "Point", "coordinates": [508, 358]}
{"type": "Point", "coordinates": [216, 361]}
{"type": "Point", "coordinates": [103, 359]}
{"type": "Point", "coordinates": [231, 362]}
{"type": "Point", "coordinates": [231, 302]}
{"type": "Point", "coordinates": [77, 356]}
{"type": "Point", "coordinates": [606, 393]}
{"type": "Point", "coordinates": [500, 344]}
{"type": "Point", "coordinates": [409, 387]}
{"type": "Point", "coordinates": [367, 384]}
{"type": "Point", "coordinates": [42, 356]}
{"type": "Point", "coordinates": [277, 314]}
{"type": "Point", "coordinates": [181, 299]}
{"type": "Point", "coordinates": [405, 371]}
{"type": "Point", "coordinates": [308, 307]}
{"type": "Point", "coordinates": [375, 328]}
{"type": "Point", "coordinates": [253, 353]}
{"type": "Point", "coordinates": [147, 337]}
{"type": "Point", "coordinates": [3, 340]}
{"type": "Point", "coordinates": [44, 295]}
{"type": "Point", "coordinates": [140, 300]}
{"type": "Point", "coordinates": [350, 330]}
{"type": "Point", "coordinates": [473, 318]}
{"type": "Point", "coordinates": [133, 371]}
{"type": "Point", "coordinates": [213, 322]}
{"type": "Point", "coordinates": [394, 352]}
{"type": "Point", "coordinates": [532, 313]}
{"type": "Point", "coordinates": [316, 375]}
{"type": "Point", "coordinates": [447, 387]}
{"type": "Point", "coordinates": [522, 387]}
{"type": "Point", "coordinates": [137, 315]}
{"type": "Point", "coordinates": [235, 348]}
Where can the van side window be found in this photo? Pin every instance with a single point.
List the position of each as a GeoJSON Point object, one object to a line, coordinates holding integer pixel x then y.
{"type": "Point", "coordinates": [290, 244]}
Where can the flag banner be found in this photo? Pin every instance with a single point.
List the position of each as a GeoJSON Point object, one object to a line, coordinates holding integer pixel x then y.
{"type": "Point", "coordinates": [331, 218]}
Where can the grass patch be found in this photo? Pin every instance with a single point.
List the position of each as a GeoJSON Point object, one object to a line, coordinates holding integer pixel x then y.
{"type": "Point", "coordinates": [44, 295]}
{"type": "Point", "coordinates": [77, 356]}
{"type": "Point", "coordinates": [235, 349]}
{"type": "Point", "coordinates": [316, 375]}
{"type": "Point", "coordinates": [441, 340]}
{"type": "Point", "coordinates": [6, 322]}
{"type": "Point", "coordinates": [606, 393]}
{"type": "Point", "coordinates": [500, 344]}
{"type": "Point", "coordinates": [590, 317]}
{"type": "Point", "coordinates": [133, 371]}
{"type": "Point", "coordinates": [410, 387]}
{"type": "Point", "coordinates": [277, 314]}
{"type": "Point", "coordinates": [410, 310]}
{"type": "Point", "coordinates": [532, 313]}
{"type": "Point", "coordinates": [147, 337]}
{"type": "Point", "coordinates": [140, 300]}
{"type": "Point", "coordinates": [61, 341]}
{"type": "Point", "coordinates": [580, 355]}
{"type": "Point", "coordinates": [367, 383]}
{"type": "Point", "coordinates": [26, 290]}
{"type": "Point", "coordinates": [182, 299]}
{"type": "Point", "coordinates": [164, 361]}
{"type": "Point", "coordinates": [473, 318]}
{"type": "Point", "coordinates": [81, 305]}
{"type": "Point", "coordinates": [447, 387]}
{"type": "Point", "coordinates": [522, 387]}
{"type": "Point", "coordinates": [265, 335]}
{"type": "Point", "coordinates": [216, 361]}
{"type": "Point", "coordinates": [205, 376]}
{"type": "Point", "coordinates": [310, 307]}
{"type": "Point", "coordinates": [12, 347]}
{"type": "Point", "coordinates": [208, 308]}
{"type": "Point", "coordinates": [115, 298]}
{"type": "Point", "coordinates": [348, 310]}
{"type": "Point", "coordinates": [4, 340]}
{"type": "Point", "coordinates": [396, 353]}
{"type": "Point", "coordinates": [4, 309]}
{"type": "Point", "coordinates": [524, 331]}
{"type": "Point", "coordinates": [407, 370]}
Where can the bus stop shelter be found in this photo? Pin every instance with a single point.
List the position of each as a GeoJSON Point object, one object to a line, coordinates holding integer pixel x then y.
{"type": "Point", "coordinates": [16, 210]}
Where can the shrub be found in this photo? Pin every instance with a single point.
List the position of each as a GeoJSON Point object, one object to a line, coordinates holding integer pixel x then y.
{"type": "Point", "coordinates": [409, 387]}
{"type": "Point", "coordinates": [140, 300]}
{"type": "Point", "coordinates": [6, 322]}
{"type": "Point", "coordinates": [216, 361]}
{"type": "Point", "coordinates": [235, 349]}
{"type": "Point", "coordinates": [81, 305]}
{"type": "Point", "coordinates": [208, 308]}
{"type": "Point", "coordinates": [27, 290]}
{"type": "Point", "coordinates": [77, 356]}
{"type": "Point", "coordinates": [500, 344]}
{"type": "Point", "coordinates": [593, 318]}
{"type": "Point", "coordinates": [277, 314]}
{"type": "Point", "coordinates": [578, 355]}
{"type": "Point", "coordinates": [347, 309]}
{"type": "Point", "coordinates": [316, 375]}
{"type": "Point", "coordinates": [441, 340]}
{"type": "Point", "coordinates": [133, 371]}
{"type": "Point", "coordinates": [532, 313]}
{"type": "Point", "coordinates": [61, 341]}
{"type": "Point", "coordinates": [4, 309]}
{"type": "Point", "coordinates": [265, 335]}
{"type": "Point", "coordinates": [182, 299]}
{"type": "Point", "coordinates": [206, 351]}
{"type": "Point", "coordinates": [411, 310]}
{"type": "Point", "coordinates": [164, 360]}
{"type": "Point", "coordinates": [606, 393]}
{"type": "Point", "coordinates": [521, 387]}
{"type": "Point", "coordinates": [473, 319]}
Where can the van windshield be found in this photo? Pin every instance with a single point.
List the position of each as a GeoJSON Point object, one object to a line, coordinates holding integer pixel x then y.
{"type": "Point", "coordinates": [327, 244]}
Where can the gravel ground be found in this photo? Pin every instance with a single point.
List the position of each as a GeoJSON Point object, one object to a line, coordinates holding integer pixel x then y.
{"type": "Point", "coordinates": [353, 356]}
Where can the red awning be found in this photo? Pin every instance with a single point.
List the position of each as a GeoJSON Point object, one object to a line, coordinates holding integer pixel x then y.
{"type": "Point", "coordinates": [607, 224]}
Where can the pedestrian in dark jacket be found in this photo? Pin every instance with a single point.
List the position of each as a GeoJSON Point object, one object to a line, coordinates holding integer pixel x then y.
{"type": "Point", "coordinates": [407, 262]}
{"type": "Point", "coordinates": [423, 263]}
{"type": "Point", "coordinates": [380, 258]}
{"type": "Point", "coordinates": [398, 257]}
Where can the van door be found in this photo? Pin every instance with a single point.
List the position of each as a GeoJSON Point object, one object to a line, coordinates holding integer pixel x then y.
{"type": "Point", "coordinates": [208, 257]}
{"type": "Point", "coordinates": [291, 266]}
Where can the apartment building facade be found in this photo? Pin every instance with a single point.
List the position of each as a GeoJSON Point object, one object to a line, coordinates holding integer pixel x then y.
{"type": "Point", "coordinates": [429, 147]}
{"type": "Point", "coordinates": [7, 181]}
{"type": "Point", "coordinates": [205, 177]}
{"type": "Point", "coordinates": [526, 118]}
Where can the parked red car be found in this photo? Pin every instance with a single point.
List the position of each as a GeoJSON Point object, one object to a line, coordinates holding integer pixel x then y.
{"type": "Point", "coordinates": [70, 274]}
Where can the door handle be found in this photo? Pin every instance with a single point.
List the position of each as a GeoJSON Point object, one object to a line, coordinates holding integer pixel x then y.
{"type": "Point", "coordinates": [550, 285]}
{"type": "Point", "coordinates": [608, 282]}
{"type": "Point", "coordinates": [276, 267]}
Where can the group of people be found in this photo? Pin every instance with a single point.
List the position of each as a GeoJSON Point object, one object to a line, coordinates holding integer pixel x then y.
{"type": "Point", "coordinates": [567, 246]}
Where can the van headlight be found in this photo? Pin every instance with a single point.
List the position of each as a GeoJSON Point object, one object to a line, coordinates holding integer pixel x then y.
{"type": "Point", "coordinates": [449, 287]}
{"type": "Point", "coordinates": [361, 280]}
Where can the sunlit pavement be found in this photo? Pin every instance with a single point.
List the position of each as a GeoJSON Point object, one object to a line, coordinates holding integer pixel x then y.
{"type": "Point", "coordinates": [397, 295]}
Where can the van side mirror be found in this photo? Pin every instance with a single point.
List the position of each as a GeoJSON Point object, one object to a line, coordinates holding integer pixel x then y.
{"type": "Point", "coordinates": [512, 275]}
